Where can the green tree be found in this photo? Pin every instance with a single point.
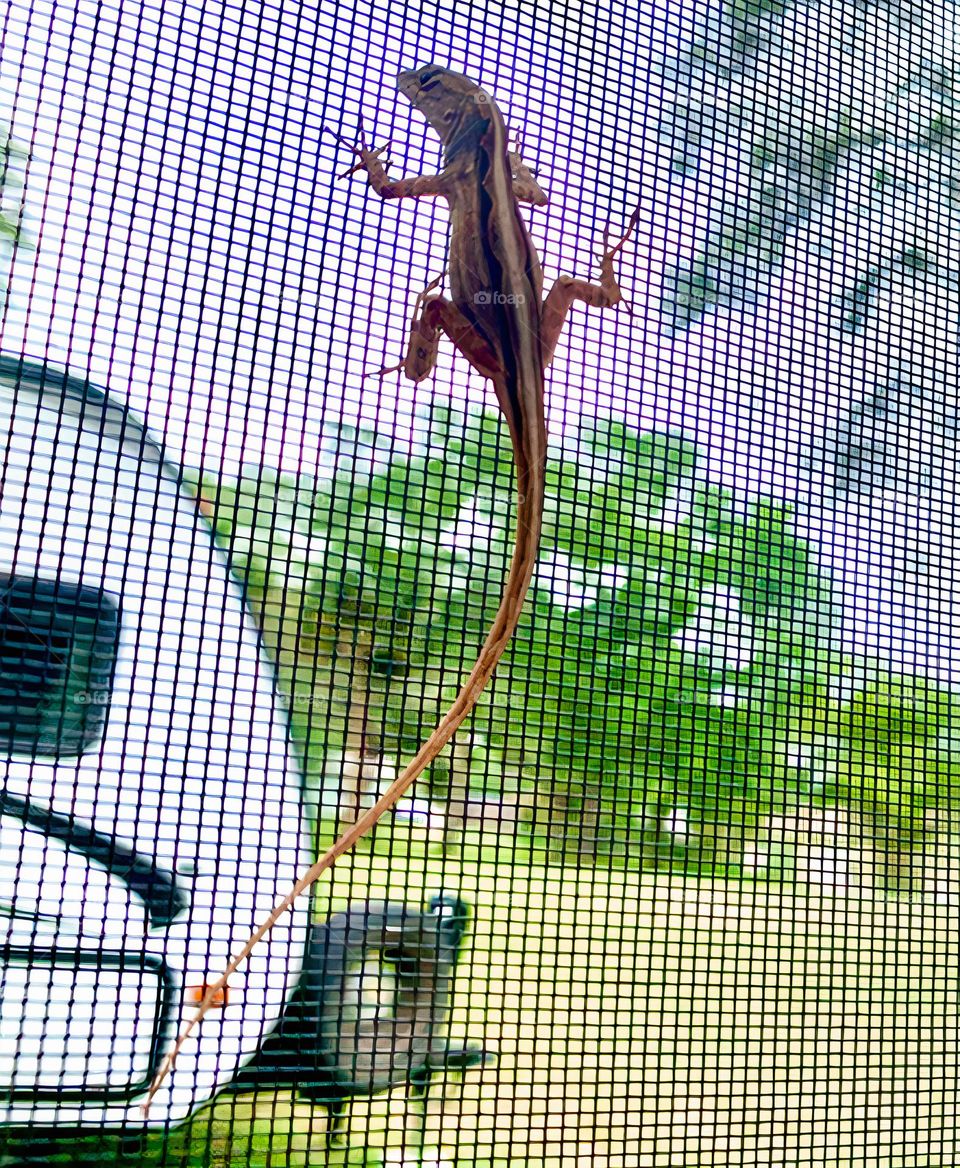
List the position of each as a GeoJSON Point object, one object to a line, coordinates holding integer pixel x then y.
{"type": "Point", "coordinates": [620, 696]}
{"type": "Point", "coordinates": [885, 747]}
{"type": "Point", "coordinates": [670, 691]}
{"type": "Point", "coordinates": [359, 581]}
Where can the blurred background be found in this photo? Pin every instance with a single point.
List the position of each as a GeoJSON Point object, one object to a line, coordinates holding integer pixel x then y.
{"type": "Point", "coordinates": [707, 814]}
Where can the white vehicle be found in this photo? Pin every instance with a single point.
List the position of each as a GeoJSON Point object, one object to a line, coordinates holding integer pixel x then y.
{"type": "Point", "coordinates": [151, 810]}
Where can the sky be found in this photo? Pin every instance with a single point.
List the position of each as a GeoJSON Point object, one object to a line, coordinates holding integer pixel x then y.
{"type": "Point", "coordinates": [197, 255]}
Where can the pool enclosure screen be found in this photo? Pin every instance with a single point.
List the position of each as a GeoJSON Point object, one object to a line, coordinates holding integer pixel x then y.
{"type": "Point", "coordinates": [684, 889]}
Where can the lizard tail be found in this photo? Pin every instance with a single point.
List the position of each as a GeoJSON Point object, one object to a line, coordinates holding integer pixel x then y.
{"type": "Point", "coordinates": [530, 464]}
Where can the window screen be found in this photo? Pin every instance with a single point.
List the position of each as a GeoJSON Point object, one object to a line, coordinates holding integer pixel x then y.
{"type": "Point", "coordinates": [700, 837]}
{"type": "Point", "coordinates": [58, 642]}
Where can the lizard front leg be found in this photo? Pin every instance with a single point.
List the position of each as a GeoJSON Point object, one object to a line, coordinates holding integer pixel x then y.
{"type": "Point", "coordinates": [568, 290]}
{"type": "Point", "coordinates": [422, 186]}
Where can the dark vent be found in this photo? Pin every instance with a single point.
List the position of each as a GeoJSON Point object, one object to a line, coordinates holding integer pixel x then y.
{"type": "Point", "coordinates": [58, 645]}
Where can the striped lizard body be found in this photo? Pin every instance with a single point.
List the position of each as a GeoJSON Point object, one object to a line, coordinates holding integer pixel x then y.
{"type": "Point", "coordinates": [497, 318]}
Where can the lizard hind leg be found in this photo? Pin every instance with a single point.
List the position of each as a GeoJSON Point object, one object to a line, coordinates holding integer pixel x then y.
{"type": "Point", "coordinates": [442, 316]}
{"type": "Point", "coordinates": [424, 342]}
{"type": "Point", "coordinates": [568, 291]}
{"type": "Point", "coordinates": [421, 358]}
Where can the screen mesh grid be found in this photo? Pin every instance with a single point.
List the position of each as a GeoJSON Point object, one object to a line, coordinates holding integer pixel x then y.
{"type": "Point", "coordinates": [683, 889]}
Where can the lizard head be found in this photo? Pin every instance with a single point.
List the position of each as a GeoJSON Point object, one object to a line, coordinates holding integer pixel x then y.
{"type": "Point", "coordinates": [456, 107]}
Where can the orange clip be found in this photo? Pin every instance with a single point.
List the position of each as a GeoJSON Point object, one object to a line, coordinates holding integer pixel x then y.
{"type": "Point", "coordinates": [197, 993]}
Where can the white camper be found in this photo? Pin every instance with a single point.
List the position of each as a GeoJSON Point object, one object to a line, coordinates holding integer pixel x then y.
{"type": "Point", "coordinates": [151, 808]}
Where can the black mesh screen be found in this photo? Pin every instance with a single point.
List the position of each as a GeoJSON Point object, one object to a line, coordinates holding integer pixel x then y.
{"type": "Point", "coordinates": [683, 889]}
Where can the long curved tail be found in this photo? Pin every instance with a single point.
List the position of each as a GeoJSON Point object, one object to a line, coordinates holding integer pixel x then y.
{"type": "Point", "coordinates": [529, 451]}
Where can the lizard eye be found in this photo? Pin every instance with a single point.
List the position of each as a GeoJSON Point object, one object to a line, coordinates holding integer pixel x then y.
{"type": "Point", "coordinates": [428, 76]}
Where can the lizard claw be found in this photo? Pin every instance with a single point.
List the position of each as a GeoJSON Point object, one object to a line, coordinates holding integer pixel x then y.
{"type": "Point", "coordinates": [605, 259]}
{"type": "Point", "coordinates": [361, 151]}
{"type": "Point", "coordinates": [606, 244]}
{"type": "Point", "coordinates": [629, 230]}
{"type": "Point", "coordinates": [608, 251]}
{"type": "Point", "coordinates": [382, 373]}
{"type": "Point", "coordinates": [339, 137]}
{"type": "Point", "coordinates": [364, 154]}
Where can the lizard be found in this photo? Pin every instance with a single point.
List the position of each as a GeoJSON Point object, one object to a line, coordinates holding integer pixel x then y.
{"type": "Point", "coordinates": [496, 317]}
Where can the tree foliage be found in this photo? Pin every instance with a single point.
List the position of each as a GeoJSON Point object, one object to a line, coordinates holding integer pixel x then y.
{"type": "Point", "coordinates": [884, 746]}
{"type": "Point", "coordinates": [669, 627]}
{"type": "Point", "coordinates": [677, 650]}
{"type": "Point", "coordinates": [12, 234]}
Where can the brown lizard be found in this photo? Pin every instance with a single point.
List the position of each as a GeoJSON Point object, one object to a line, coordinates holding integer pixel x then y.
{"type": "Point", "coordinates": [498, 318]}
